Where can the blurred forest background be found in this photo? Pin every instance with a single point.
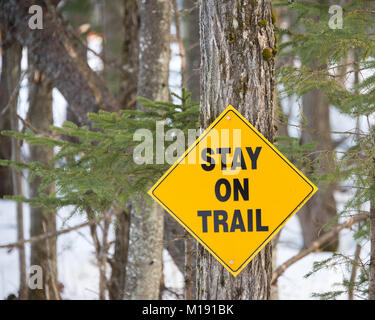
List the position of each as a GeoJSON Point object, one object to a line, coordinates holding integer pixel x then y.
{"type": "Point", "coordinates": [73, 93]}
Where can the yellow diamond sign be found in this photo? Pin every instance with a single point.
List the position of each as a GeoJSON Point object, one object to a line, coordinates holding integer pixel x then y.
{"type": "Point", "coordinates": [232, 190]}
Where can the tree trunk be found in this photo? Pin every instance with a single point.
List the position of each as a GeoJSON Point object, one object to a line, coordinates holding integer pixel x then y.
{"type": "Point", "coordinates": [192, 49]}
{"type": "Point", "coordinates": [237, 68]}
{"type": "Point", "coordinates": [174, 233]}
{"type": "Point", "coordinates": [130, 52]}
{"type": "Point", "coordinates": [53, 50]}
{"type": "Point", "coordinates": [43, 253]}
{"type": "Point", "coordinates": [75, 19]}
{"type": "Point", "coordinates": [116, 284]}
{"type": "Point", "coordinates": [6, 185]}
{"type": "Point", "coordinates": [11, 77]}
{"type": "Point", "coordinates": [174, 236]}
{"type": "Point", "coordinates": [190, 267]}
{"type": "Point", "coordinates": [144, 268]}
{"type": "Point", "coordinates": [321, 209]}
{"type": "Point", "coordinates": [371, 289]}
{"type": "Point", "coordinates": [112, 24]}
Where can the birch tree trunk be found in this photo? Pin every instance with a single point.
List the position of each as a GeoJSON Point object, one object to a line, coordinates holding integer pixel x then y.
{"type": "Point", "coordinates": [237, 68]}
{"type": "Point", "coordinates": [144, 267]}
{"type": "Point", "coordinates": [43, 253]}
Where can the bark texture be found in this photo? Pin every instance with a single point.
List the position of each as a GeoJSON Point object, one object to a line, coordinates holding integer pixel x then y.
{"type": "Point", "coordinates": [130, 52]}
{"type": "Point", "coordinates": [193, 59]}
{"type": "Point", "coordinates": [43, 253]}
{"type": "Point", "coordinates": [371, 289]}
{"type": "Point", "coordinates": [144, 268]}
{"type": "Point", "coordinates": [54, 53]}
{"type": "Point", "coordinates": [237, 68]}
{"type": "Point", "coordinates": [154, 51]}
{"type": "Point", "coordinates": [192, 48]}
{"type": "Point", "coordinates": [75, 20]}
{"type": "Point", "coordinates": [10, 85]}
{"type": "Point", "coordinates": [321, 209]}
{"type": "Point", "coordinates": [116, 283]}
{"type": "Point", "coordinates": [190, 267]}
{"type": "Point", "coordinates": [174, 236]}
{"type": "Point", "coordinates": [6, 186]}
{"type": "Point", "coordinates": [112, 24]}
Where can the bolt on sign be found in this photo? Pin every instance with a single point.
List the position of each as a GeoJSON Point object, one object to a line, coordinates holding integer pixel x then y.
{"type": "Point", "coordinates": [232, 190]}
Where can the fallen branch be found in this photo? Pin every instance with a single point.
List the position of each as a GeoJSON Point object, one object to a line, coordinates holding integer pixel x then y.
{"type": "Point", "coordinates": [316, 244]}
{"type": "Point", "coordinates": [49, 234]}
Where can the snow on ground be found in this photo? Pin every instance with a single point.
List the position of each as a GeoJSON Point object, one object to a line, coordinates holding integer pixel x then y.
{"type": "Point", "coordinates": [173, 278]}
{"type": "Point", "coordinates": [79, 274]}
{"type": "Point", "coordinates": [76, 258]}
{"type": "Point", "coordinates": [292, 284]}
{"type": "Point", "coordinates": [77, 263]}
{"type": "Point", "coordinates": [8, 259]}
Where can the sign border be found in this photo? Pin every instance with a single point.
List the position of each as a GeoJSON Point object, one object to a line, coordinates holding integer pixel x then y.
{"type": "Point", "coordinates": [200, 138]}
